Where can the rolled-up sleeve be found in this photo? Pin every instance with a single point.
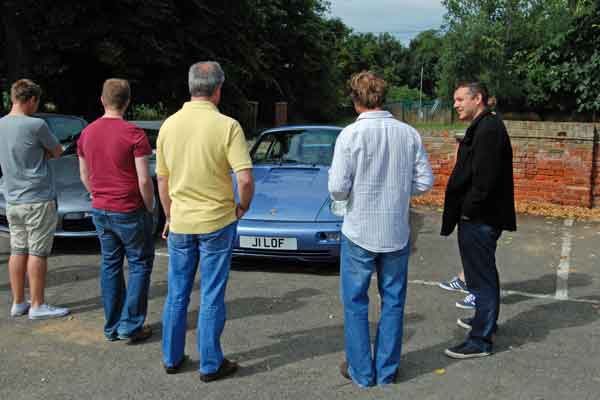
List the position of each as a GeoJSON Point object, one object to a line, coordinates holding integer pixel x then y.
{"type": "Point", "coordinates": [341, 173]}
{"type": "Point", "coordinates": [422, 174]}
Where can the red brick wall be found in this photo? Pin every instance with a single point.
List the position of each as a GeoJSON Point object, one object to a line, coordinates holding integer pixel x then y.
{"type": "Point", "coordinates": [553, 162]}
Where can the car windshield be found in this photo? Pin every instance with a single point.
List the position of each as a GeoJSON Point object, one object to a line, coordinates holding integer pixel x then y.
{"type": "Point", "coordinates": [65, 129]}
{"type": "Point", "coordinates": [302, 146]}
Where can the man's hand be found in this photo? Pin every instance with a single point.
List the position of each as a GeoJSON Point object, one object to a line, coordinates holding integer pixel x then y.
{"type": "Point", "coordinates": [240, 211]}
{"type": "Point", "coordinates": [165, 232]}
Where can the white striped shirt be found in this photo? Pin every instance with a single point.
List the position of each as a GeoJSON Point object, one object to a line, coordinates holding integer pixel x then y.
{"type": "Point", "coordinates": [378, 163]}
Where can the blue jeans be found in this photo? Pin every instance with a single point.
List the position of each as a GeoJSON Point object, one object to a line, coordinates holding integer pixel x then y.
{"type": "Point", "coordinates": [213, 251]}
{"type": "Point", "coordinates": [477, 245]}
{"type": "Point", "coordinates": [124, 234]}
{"type": "Point", "coordinates": [357, 266]}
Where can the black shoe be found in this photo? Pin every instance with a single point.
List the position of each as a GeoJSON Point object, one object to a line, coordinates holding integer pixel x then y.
{"type": "Point", "coordinates": [344, 370]}
{"type": "Point", "coordinates": [226, 369]}
{"type": "Point", "coordinates": [175, 368]}
{"type": "Point", "coordinates": [466, 350]}
{"type": "Point", "coordinates": [138, 336]}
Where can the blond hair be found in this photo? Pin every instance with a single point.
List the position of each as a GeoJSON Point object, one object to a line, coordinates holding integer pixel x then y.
{"type": "Point", "coordinates": [368, 89]}
{"type": "Point", "coordinates": [116, 93]}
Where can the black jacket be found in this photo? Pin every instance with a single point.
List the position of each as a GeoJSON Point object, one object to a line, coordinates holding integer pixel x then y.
{"type": "Point", "coordinates": [481, 184]}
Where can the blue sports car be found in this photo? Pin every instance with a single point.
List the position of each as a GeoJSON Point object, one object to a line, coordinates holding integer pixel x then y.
{"type": "Point", "coordinates": [291, 214]}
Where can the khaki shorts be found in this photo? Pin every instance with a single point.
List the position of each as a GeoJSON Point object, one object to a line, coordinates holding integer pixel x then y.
{"type": "Point", "coordinates": [32, 228]}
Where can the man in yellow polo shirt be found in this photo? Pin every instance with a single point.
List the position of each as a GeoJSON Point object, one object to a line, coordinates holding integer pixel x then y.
{"type": "Point", "coordinates": [197, 148]}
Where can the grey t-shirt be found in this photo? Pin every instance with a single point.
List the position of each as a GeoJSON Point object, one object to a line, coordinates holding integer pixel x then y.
{"type": "Point", "coordinates": [23, 144]}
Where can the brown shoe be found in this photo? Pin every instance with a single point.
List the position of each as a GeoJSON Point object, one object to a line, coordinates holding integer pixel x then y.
{"type": "Point", "coordinates": [175, 368]}
{"type": "Point", "coordinates": [344, 370]}
{"type": "Point", "coordinates": [226, 369]}
{"type": "Point", "coordinates": [139, 336]}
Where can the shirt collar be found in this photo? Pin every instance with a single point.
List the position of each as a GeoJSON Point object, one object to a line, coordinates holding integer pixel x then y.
{"type": "Point", "coordinates": [375, 114]}
{"type": "Point", "coordinates": [200, 105]}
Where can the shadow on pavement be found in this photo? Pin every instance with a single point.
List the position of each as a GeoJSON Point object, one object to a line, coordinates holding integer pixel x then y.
{"type": "Point", "coordinates": [531, 326]}
{"type": "Point", "coordinates": [296, 346]}
{"type": "Point", "coordinates": [249, 307]}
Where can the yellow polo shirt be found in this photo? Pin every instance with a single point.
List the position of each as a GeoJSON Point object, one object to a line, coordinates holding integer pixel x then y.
{"type": "Point", "coordinates": [197, 148]}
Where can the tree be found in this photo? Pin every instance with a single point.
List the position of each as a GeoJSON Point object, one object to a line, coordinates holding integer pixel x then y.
{"type": "Point", "coordinates": [484, 36]}
{"type": "Point", "coordinates": [562, 74]}
{"type": "Point", "coordinates": [424, 52]}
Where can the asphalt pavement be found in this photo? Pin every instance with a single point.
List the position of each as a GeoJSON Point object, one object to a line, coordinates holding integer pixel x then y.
{"type": "Point", "coordinates": [285, 327]}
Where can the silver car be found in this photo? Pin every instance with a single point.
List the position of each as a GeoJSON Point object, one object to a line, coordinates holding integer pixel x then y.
{"type": "Point", "coordinates": [73, 201]}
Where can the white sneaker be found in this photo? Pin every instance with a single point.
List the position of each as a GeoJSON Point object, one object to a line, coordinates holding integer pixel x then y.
{"type": "Point", "coordinates": [19, 309]}
{"type": "Point", "coordinates": [46, 311]}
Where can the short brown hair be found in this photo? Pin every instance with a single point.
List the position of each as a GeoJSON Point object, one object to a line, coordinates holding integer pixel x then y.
{"type": "Point", "coordinates": [475, 88]}
{"type": "Point", "coordinates": [23, 90]}
{"type": "Point", "coordinates": [368, 89]}
{"type": "Point", "coordinates": [116, 93]}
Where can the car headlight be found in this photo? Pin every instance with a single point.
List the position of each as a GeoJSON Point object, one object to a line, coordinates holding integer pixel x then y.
{"type": "Point", "coordinates": [338, 208]}
{"type": "Point", "coordinates": [329, 236]}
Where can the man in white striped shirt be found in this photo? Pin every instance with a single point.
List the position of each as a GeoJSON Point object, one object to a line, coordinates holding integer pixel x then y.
{"type": "Point", "coordinates": [378, 164]}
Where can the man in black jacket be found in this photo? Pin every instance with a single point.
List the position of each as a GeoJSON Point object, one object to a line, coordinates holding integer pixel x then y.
{"type": "Point", "coordinates": [480, 200]}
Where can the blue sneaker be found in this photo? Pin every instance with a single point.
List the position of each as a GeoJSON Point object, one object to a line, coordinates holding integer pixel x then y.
{"type": "Point", "coordinates": [455, 284]}
{"type": "Point", "coordinates": [468, 303]}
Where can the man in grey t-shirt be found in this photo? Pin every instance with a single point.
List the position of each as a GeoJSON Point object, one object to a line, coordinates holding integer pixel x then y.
{"type": "Point", "coordinates": [26, 144]}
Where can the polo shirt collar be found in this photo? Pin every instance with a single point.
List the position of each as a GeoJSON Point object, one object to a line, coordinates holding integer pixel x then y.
{"type": "Point", "coordinates": [375, 114]}
{"type": "Point", "coordinates": [200, 105]}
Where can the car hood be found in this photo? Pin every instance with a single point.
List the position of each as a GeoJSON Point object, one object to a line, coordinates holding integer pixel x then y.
{"type": "Point", "coordinates": [288, 193]}
{"type": "Point", "coordinates": [70, 192]}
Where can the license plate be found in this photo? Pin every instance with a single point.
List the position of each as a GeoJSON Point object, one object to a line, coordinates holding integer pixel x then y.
{"type": "Point", "coordinates": [268, 243]}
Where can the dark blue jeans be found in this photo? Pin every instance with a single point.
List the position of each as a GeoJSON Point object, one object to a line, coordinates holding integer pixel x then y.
{"type": "Point", "coordinates": [477, 245]}
{"type": "Point", "coordinates": [213, 252]}
{"type": "Point", "coordinates": [124, 234]}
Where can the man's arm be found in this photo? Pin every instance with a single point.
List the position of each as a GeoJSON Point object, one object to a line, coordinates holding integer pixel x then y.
{"type": "Point", "coordinates": [422, 175]}
{"type": "Point", "coordinates": [341, 173]}
{"type": "Point", "coordinates": [54, 152]}
{"type": "Point", "coordinates": [84, 174]}
{"type": "Point", "coordinates": [245, 184]}
{"type": "Point", "coordinates": [165, 200]}
{"type": "Point", "coordinates": [145, 182]}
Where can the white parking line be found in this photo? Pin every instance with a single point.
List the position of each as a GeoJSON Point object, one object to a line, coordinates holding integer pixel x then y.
{"type": "Point", "coordinates": [562, 272]}
{"type": "Point", "coordinates": [161, 254]}
{"type": "Point", "coordinates": [516, 292]}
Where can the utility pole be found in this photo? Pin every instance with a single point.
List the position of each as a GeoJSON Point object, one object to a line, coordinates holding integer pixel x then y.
{"type": "Point", "coordinates": [421, 95]}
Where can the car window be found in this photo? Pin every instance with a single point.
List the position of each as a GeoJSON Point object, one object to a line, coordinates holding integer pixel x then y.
{"type": "Point", "coordinates": [64, 128]}
{"type": "Point", "coordinates": [309, 146]}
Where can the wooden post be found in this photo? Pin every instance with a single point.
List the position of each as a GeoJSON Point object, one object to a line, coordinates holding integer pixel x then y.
{"type": "Point", "coordinates": [252, 116]}
{"type": "Point", "coordinates": [281, 112]}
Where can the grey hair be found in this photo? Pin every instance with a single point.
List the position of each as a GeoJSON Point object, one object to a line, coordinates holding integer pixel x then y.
{"type": "Point", "coordinates": [204, 78]}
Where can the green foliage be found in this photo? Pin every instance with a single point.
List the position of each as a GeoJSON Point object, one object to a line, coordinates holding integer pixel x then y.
{"type": "Point", "coordinates": [485, 40]}
{"type": "Point", "coordinates": [147, 112]}
{"type": "Point", "coordinates": [405, 94]}
{"type": "Point", "coordinates": [5, 102]}
{"type": "Point", "coordinates": [563, 73]}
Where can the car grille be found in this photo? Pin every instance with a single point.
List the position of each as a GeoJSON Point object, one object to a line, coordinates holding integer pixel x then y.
{"type": "Point", "coordinates": [3, 220]}
{"type": "Point", "coordinates": [78, 225]}
{"type": "Point", "coordinates": [308, 255]}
